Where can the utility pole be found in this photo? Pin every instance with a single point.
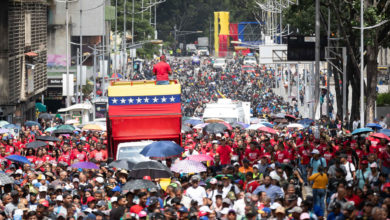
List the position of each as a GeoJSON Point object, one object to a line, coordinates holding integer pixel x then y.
{"type": "Point", "coordinates": [132, 23]}
{"type": "Point", "coordinates": [67, 55]}
{"type": "Point", "coordinates": [103, 71]}
{"type": "Point", "coordinates": [328, 69]}
{"type": "Point", "coordinates": [317, 58]}
{"type": "Point", "coordinates": [116, 31]}
{"type": "Point", "coordinates": [362, 121]}
{"type": "Point", "coordinates": [94, 80]}
{"type": "Point", "coordinates": [124, 40]}
{"type": "Point", "coordinates": [81, 54]}
{"type": "Point", "coordinates": [78, 73]}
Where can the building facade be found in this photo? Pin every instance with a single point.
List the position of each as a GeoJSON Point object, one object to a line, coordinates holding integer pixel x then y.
{"type": "Point", "coordinates": [23, 58]}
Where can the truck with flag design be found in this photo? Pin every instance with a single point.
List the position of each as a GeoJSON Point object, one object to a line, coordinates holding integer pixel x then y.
{"type": "Point", "coordinates": [142, 110]}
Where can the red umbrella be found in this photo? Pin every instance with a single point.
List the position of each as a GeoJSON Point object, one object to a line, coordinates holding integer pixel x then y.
{"type": "Point", "coordinates": [381, 136]}
{"type": "Point", "coordinates": [290, 117]}
{"type": "Point", "coordinates": [267, 130]}
{"type": "Point", "coordinates": [226, 124]}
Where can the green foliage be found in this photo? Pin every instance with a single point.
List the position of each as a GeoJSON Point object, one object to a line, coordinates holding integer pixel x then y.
{"type": "Point", "coordinates": [383, 99]}
{"type": "Point", "coordinates": [143, 30]}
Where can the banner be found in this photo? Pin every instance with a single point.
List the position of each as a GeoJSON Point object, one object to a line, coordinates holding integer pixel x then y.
{"type": "Point", "coordinates": [216, 32]}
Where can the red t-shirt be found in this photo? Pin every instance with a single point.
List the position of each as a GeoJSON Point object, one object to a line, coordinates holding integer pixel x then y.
{"type": "Point", "coordinates": [252, 155]}
{"type": "Point", "coordinates": [99, 155]}
{"type": "Point", "coordinates": [161, 70]}
{"type": "Point", "coordinates": [224, 154]}
{"type": "Point", "coordinates": [80, 156]}
{"type": "Point", "coordinates": [385, 158]}
{"type": "Point", "coordinates": [305, 155]}
{"type": "Point", "coordinates": [281, 155]}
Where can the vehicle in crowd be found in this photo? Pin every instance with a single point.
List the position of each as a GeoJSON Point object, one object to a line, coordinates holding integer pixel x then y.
{"type": "Point", "coordinates": [248, 69]}
{"type": "Point", "coordinates": [250, 60]}
{"type": "Point", "coordinates": [131, 151]}
{"type": "Point", "coordinates": [228, 110]}
{"type": "Point", "coordinates": [203, 46]}
{"type": "Point", "coordinates": [191, 49]}
{"type": "Point", "coordinates": [219, 63]}
{"type": "Point", "coordinates": [142, 110]}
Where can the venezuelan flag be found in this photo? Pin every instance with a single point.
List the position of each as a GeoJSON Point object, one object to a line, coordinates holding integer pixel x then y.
{"type": "Point", "coordinates": [143, 98]}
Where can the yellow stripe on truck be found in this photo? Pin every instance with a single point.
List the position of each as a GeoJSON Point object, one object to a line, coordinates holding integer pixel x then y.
{"type": "Point", "coordinates": [142, 88]}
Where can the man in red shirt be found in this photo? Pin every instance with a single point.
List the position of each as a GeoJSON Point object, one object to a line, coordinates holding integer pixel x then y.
{"type": "Point", "coordinates": [162, 70]}
{"type": "Point", "coordinates": [224, 152]}
{"type": "Point", "coordinates": [79, 155]}
{"type": "Point", "coordinates": [252, 154]}
{"type": "Point", "coordinates": [98, 155]}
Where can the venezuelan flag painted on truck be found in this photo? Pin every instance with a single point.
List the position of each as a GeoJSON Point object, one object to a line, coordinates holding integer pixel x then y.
{"type": "Point", "coordinates": [142, 110]}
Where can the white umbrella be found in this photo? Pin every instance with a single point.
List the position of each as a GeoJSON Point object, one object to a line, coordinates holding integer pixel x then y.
{"type": "Point", "coordinates": [295, 125]}
{"type": "Point", "coordinates": [255, 126]}
{"type": "Point", "coordinates": [72, 121]}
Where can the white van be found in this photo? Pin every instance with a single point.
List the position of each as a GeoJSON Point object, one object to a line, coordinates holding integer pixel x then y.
{"type": "Point", "coordinates": [228, 111]}
{"type": "Point", "coordinates": [131, 151]}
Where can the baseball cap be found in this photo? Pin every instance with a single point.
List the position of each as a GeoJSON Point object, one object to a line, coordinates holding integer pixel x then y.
{"type": "Point", "coordinates": [43, 189]}
{"type": "Point", "coordinates": [101, 203]}
{"type": "Point", "coordinates": [256, 166]}
{"type": "Point", "coordinates": [213, 181]}
{"type": "Point", "coordinates": [142, 214]}
{"type": "Point", "coordinates": [59, 198]}
{"type": "Point", "coordinates": [99, 179]}
{"type": "Point", "coordinates": [280, 209]}
{"type": "Point", "coordinates": [227, 201]}
{"type": "Point", "coordinates": [183, 209]}
{"type": "Point", "coordinates": [76, 180]}
{"type": "Point", "coordinates": [236, 164]}
{"type": "Point", "coordinates": [18, 171]}
{"type": "Point", "coordinates": [45, 203]}
{"type": "Point", "coordinates": [304, 216]}
{"type": "Point", "coordinates": [296, 209]}
{"type": "Point", "coordinates": [374, 165]}
{"type": "Point", "coordinates": [315, 151]}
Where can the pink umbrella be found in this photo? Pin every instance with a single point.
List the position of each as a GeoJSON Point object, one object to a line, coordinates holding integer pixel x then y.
{"type": "Point", "coordinates": [200, 125]}
{"type": "Point", "coordinates": [188, 166]}
{"type": "Point", "coordinates": [267, 130]}
{"type": "Point", "coordinates": [227, 125]}
{"type": "Point", "coordinates": [200, 157]}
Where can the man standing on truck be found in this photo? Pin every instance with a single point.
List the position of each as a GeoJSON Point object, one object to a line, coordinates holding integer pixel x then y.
{"type": "Point", "coordinates": [162, 70]}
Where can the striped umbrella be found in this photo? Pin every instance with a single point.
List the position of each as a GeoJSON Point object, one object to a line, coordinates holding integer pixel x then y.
{"type": "Point", "coordinates": [188, 166]}
{"type": "Point", "coordinates": [200, 157]}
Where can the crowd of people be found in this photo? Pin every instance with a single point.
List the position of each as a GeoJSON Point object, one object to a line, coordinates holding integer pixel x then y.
{"type": "Point", "coordinates": [316, 172]}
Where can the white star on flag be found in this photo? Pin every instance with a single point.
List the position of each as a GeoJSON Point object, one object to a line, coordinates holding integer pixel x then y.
{"type": "Point", "coordinates": [146, 100]}
{"type": "Point", "coordinates": [123, 101]}
{"type": "Point", "coordinates": [139, 100]}
{"type": "Point", "coordinates": [131, 100]}
{"type": "Point", "coordinates": [172, 99]}
{"type": "Point", "coordinates": [114, 100]}
{"type": "Point", "coordinates": [155, 100]}
{"type": "Point", "coordinates": [163, 99]}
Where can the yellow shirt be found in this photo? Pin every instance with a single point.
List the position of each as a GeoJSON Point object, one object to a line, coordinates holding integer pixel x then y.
{"type": "Point", "coordinates": [320, 181]}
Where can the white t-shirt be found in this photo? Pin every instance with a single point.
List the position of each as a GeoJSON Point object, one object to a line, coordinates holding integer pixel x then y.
{"type": "Point", "coordinates": [196, 194]}
{"type": "Point", "coordinates": [349, 167]}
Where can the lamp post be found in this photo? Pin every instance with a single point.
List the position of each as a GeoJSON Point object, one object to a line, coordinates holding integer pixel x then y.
{"type": "Point", "coordinates": [361, 65]}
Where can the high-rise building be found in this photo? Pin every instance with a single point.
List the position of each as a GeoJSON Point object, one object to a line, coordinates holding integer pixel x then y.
{"type": "Point", "coordinates": [23, 54]}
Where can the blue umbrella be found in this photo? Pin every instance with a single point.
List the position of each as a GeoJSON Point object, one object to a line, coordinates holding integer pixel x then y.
{"type": "Point", "coordinates": [385, 131]}
{"type": "Point", "coordinates": [31, 123]}
{"type": "Point", "coordinates": [305, 121]}
{"type": "Point", "coordinates": [267, 124]}
{"type": "Point", "coordinates": [12, 126]}
{"type": "Point", "coordinates": [3, 130]}
{"type": "Point", "coordinates": [18, 159]}
{"type": "Point", "coordinates": [374, 126]}
{"type": "Point", "coordinates": [361, 131]}
{"type": "Point", "coordinates": [162, 149]}
{"type": "Point", "coordinates": [193, 122]}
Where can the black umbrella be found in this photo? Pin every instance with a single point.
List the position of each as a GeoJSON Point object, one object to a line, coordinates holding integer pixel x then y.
{"type": "Point", "coordinates": [214, 128]}
{"type": "Point", "coordinates": [122, 164]}
{"type": "Point", "coordinates": [236, 124]}
{"type": "Point", "coordinates": [62, 131]}
{"type": "Point", "coordinates": [151, 168]}
{"type": "Point", "coordinates": [138, 184]}
{"type": "Point", "coordinates": [45, 116]}
{"type": "Point", "coordinates": [185, 129]}
{"type": "Point", "coordinates": [5, 179]}
{"type": "Point", "coordinates": [36, 144]}
{"type": "Point", "coordinates": [47, 138]}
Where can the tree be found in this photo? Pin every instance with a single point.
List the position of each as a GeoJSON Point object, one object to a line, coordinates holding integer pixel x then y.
{"type": "Point", "coordinates": [346, 15]}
